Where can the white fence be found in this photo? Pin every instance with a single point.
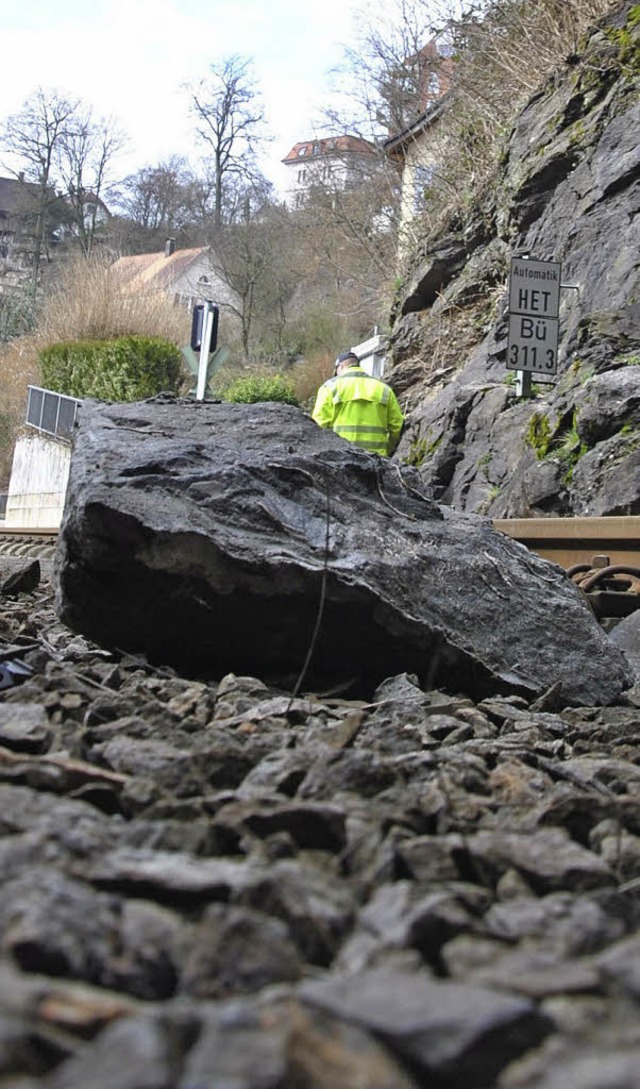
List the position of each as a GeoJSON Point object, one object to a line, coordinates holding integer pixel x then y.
{"type": "Point", "coordinates": [54, 413]}
{"type": "Point", "coordinates": [372, 354]}
{"type": "Point", "coordinates": [41, 461]}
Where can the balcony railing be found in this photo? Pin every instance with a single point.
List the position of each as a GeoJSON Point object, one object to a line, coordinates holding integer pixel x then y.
{"type": "Point", "coordinates": [54, 413]}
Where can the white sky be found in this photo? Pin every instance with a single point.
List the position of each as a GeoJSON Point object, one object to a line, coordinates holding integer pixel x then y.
{"type": "Point", "coordinates": [128, 59]}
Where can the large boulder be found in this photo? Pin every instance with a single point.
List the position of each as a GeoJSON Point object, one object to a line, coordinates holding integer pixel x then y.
{"type": "Point", "coordinates": [243, 538]}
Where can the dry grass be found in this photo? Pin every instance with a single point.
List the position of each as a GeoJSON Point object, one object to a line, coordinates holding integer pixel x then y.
{"type": "Point", "coordinates": [445, 337]}
{"type": "Point", "coordinates": [86, 303]}
{"type": "Point", "coordinates": [501, 61]}
{"type": "Point", "coordinates": [19, 369]}
{"type": "Point", "coordinates": [89, 303]}
{"type": "Point", "coordinates": [308, 376]}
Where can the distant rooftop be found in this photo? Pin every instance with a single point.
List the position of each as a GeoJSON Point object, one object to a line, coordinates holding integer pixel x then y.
{"type": "Point", "coordinates": [329, 146]}
{"type": "Point", "coordinates": [159, 269]}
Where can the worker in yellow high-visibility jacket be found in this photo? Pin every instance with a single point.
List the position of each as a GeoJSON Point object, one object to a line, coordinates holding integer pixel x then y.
{"type": "Point", "coordinates": [359, 408]}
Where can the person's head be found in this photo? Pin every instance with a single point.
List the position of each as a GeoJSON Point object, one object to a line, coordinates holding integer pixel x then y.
{"type": "Point", "coordinates": [344, 360]}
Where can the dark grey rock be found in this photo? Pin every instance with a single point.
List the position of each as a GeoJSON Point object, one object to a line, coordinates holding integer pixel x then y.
{"type": "Point", "coordinates": [149, 951]}
{"type": "Point", "coordinates": [401, 915]}
{"type": "Point", "coordinates": [137, 1053]}
{"type": "Point", "coordinates": [361, 772]}
{"type": "Point", "coordinates": [443, 1030]}
{"type": "Point", "coordinates": [344, 843]}
{"type": "Point", "coordinates": [626, 635]}
{"type": "Point", "coordinates": [565, 924]}
{"type": "Point", "coordinates": [590, 1070]}
{"type": "Point", "coordinates": [52, 924]}
{"type": "Point", "coordinates": [201, 534]}
{"type": "Point", "coordinates": [234, 1049]}
{"type": "Point", "coordinates": [433, 858]}
{"type": "Point", "coordinates": [325, 1052]}
{"type": "Point", "coordinates": [605, 480]}
{"type": "Point", "coordinates": [169, 876]}
{"type": "Point", "coordinates": [313, 826]}
{"type": "Point", "coordinates": [549, 860]}
{"type": "Point", "coordinates": [238, 951]}
{"type": "Point", "coordinates": [536, 974]}
{"type": "Point", "coordinates": [23, 580]}
{"type": "Point", "coordinates": [620, 966]}
{"type": "Point", "coordinates": [318, 908]}
{"type": "Point", "coordinates": [24, 728]}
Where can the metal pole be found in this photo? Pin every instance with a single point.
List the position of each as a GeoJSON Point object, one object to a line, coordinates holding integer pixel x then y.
{"type": "Point", "coordinates": [207, 323]}
{"type": "Point", "coordinates": [523, 383]}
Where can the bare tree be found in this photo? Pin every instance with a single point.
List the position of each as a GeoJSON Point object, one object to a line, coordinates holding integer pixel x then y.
{"type": "Point", "coordinates": [475, 62]}
{"type": "Point", "coordinates": [33, 136]}
{"type": "Point", "coordinates": [160, 201]}
{"type": "Point", "coordinates": [346, 247]}
{"type": "Point", "coordinates": [386, 72]}
{"type": "Point", "coordinates": [83, 157]}
{"type": "Point", "coordinates": [504, 51]}
{"type": "Point", "coordinates": [229, 116]}
{"type": "Point", "coordinates": [253, 256]}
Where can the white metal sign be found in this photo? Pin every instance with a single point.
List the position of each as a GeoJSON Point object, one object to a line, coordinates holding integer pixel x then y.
{"type": "Point", "coordinates": [533, 344]}
{"type": "Point", "coordinates": [534, 302]}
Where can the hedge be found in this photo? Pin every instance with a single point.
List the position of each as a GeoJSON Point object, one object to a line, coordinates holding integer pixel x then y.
{"type": "Point", "coordinates": [257, 388]}
{"type": "Point", "coordinates": [125, 369]}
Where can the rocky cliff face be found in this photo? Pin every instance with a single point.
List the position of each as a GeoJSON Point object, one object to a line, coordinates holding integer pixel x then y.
{"type": "Point", "coordinates": [568, 190]}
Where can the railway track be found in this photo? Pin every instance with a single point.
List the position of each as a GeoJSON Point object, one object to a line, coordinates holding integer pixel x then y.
{"type": "Point", "coordinates": [571, 541]}
{"type": "Point", "coordinates": [602, 555]}
{"type": "Point", "coordinates": [27, 542]}
{"type": "Point", "coordinates": [18, 545]}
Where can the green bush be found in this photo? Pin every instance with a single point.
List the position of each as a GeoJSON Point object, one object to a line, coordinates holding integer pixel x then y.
{"type": "Point", "coordinates": [260, 388]}
{"type": "Point", "coordinates": [126, 369]}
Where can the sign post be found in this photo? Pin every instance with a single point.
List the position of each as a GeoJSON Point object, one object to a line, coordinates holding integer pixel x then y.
{"type": "Point", "coordinates": [534, 304]}
{"type": "Point", "coordinates": [204, 336]}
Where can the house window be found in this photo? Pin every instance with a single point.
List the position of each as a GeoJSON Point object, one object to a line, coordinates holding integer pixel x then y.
{"type": "Point", "coordinates": [203, 280]}
{"type": "Point", "coordinates": [433, 85]}
{"type": "Point", "coordinates": [302, 176]}
{"type": "Point", "coordinates": [422, 179]}
{"type": "Point", "coordinates": [445, 45]}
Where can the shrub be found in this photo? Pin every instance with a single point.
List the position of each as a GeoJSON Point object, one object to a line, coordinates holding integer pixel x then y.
{"type": "Point", "coordinates": [255, 388]}
{"type": "Point", "coordinates": [17, 316]}
{"type": "Point", "coordinates": [125, 369]}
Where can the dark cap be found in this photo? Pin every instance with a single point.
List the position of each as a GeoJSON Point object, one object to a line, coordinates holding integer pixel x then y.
{"type": "Point", "coordinates": [344, 356]}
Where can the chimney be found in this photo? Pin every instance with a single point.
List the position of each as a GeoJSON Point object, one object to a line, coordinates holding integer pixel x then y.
{"type": "Point", "coordinates": [169, 247]}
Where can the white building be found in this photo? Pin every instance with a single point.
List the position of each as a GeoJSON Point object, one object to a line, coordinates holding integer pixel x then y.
{"type": "Point", "coordinates": [186, 276]}
{"type": "Point", "coordinates": [418, 151]}
{"type": "Point", "coordinates": [420, 148]}
{"type": "Point", "coordinates": [330, 163]}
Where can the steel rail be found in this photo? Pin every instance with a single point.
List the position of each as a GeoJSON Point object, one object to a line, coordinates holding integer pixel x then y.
{"type": "Point", "coordinates": [571, 541]}
{"type": "Point", "coordinates": [28, 531]}
{"type": "Point", "coordinates": [27, 542]}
